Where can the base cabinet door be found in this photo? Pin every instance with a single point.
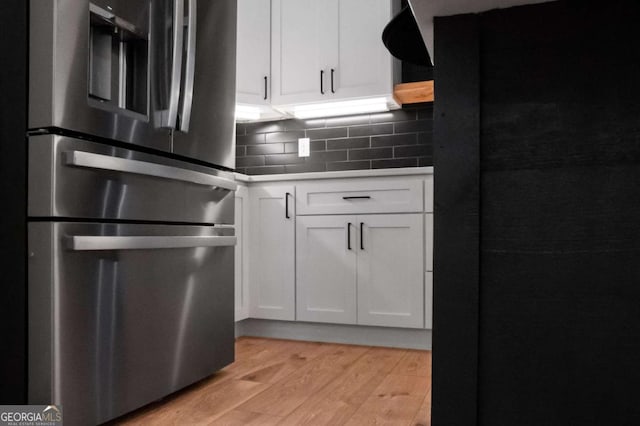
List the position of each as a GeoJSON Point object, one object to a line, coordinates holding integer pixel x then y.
{"type": "Point", "coordinates": [391, 270]}
{"type": "Point", "coordinates": [326, 269]}
{"type": "Point", "coordinates": [272, 251]}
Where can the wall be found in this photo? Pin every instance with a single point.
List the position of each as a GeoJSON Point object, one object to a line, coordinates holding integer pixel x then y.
{"type": "Point", "coordinates": [13, 191]}
{"type": "Point", "coordinates": [537, 165]}
{"type": "Point", "coordinates": [401, 138]}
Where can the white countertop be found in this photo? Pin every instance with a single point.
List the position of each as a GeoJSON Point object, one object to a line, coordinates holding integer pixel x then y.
{"type": "Point", "coordinates": [403, 171]}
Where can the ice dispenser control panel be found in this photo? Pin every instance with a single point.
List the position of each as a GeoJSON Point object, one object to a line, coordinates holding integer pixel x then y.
{"type": "Point", "coordinates": [118, 62]}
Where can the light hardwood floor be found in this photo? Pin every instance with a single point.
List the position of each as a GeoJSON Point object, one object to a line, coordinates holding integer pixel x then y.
{"type": "Point", "coordinates": [284, 382]}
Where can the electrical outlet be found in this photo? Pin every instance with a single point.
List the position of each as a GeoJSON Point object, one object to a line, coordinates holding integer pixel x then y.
{"type": "Point", "coordinates": [303, 147]}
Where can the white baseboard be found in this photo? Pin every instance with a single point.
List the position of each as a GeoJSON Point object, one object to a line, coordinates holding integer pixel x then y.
{"type": "Point", "coordinates": [336, 333]}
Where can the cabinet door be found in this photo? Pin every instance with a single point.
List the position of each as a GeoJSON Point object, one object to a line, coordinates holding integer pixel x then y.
{"type": "Point", "coordinates": [300, 38]}
{"type": "Point", "coordinates": [391, 270]}
{"type": "Point", "coordinates": [362, 66]}
{"type": "Point", "coordinates": [326, 269]}
{"type": "Point", "coordinates": [253, 52]}
{"type": "Point", "coordinates": [242, 254]}
{"type": "Point", "coordinates": [272, 283]}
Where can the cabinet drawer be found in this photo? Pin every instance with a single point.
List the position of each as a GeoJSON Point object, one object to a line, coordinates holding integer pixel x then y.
{"type": "Point", "coordinates": [348, 196]}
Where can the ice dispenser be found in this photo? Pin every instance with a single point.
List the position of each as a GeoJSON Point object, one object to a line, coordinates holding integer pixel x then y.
{"type": "Point", "coordinates": [118, 63]}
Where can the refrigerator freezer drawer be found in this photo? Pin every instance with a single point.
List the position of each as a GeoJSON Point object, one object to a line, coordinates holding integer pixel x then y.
{"type": "Point", "coordinates": [76, 178]}
{"type": "Point", "coordinates": [121, 314]}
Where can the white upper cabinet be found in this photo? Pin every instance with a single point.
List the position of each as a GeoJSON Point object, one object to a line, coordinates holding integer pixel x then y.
{"type": "Point", "coordinates": [362, 65]}
{"type": "Point", "coordinates": [330, 50]}
{"type": "Point", "coordinates": [298, 48]}
{"type": "Point", "coordinates": [253, 70]}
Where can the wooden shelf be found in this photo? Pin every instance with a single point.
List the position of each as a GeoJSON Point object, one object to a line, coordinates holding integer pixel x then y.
{"type": "Point", "coordinates": [412, 93]}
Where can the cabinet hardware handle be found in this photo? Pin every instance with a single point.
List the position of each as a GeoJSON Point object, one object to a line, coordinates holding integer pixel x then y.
{"type": "Point", "coordinates": [94, 161]}
{"type": "Point", "coordinates": [188, 77]}
{"type": "Point", "coordinates": [170, 117]}
{"type": "Point", "coordinates": [322, 82]}
{"type": "Point", "coordinates": [265, 87]}
{"type": "Point", "coordinates": [349, 236]}
{"type": "Point", "coordinates": [332, 72]}
{"type": "Point", "coordinates": [146, 242]}
{"type": "Point", "coordinates": [286, 205]}
{"type": "Point", "coordinates": [357, 197]}
{"type": "Point", "coordinates": [361, 238]}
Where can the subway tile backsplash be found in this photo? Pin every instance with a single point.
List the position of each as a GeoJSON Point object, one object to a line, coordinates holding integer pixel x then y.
{"type": "Point", "coordinates": [401, 138]}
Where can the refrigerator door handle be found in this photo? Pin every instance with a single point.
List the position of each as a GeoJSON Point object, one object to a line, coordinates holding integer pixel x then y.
{"type": "Point", "coordinates": [93, 243]}
{"type": "Point", "coordinates": [124, 165]}
{"type": "Point", "coordinates": [189, 69]}
{"type": "Point", "coordinates": [170, 116]}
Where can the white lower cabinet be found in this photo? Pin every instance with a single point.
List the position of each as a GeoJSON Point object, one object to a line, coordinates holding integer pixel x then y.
{"type": "Point", "coordinates": [370, 264]}
{"type": "Point", "coordinates": [326, 269]}
{"type": "Point", "coordinates": [272, 276]}
{"type": "Point", "coordinates": [361, 269]}
{"type": "Point", "coordinates": [391, 270]}
{"type": "Point", "coordinates": [242, 254]}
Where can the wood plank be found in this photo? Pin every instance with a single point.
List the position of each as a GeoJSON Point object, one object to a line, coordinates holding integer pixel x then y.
{"type": "Point", "coordinates": [291, 357]}
{"type": "Point", "coordinates": [423, 416]}
{"type": "Point", "coordinates": [340, 399]}
{"type": "Point", "coordinates": [412, 93]}
{"type": "Point", "coordinates": [201, 408]}
{"type": "Point", "coordinates": [395, 401]}
{"type": "Point", "coordinates": [299, 383]}
{"type": "Point", "coordinates": [285, 397]}
{"type": "Point", "coordinates": [246, 347]}
{"type": "Point", "coordinates": [246, 418]}
{"type": "Point", "coordinates": [414, 363]}
{"type": "Point", "coordinates": [456, 291]}
{"type": "Point", "coordinates": [273, 362]}
{"type": "Point", "coordinates": [381, 360]}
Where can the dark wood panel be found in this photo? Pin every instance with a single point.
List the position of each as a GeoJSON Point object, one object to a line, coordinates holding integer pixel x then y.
{"type": "Point", "coordinates": [560, 323]}
{"type": "Point", "coordinates": [456, 244]}
{"type": "Point", "coordinates": [13, 190]}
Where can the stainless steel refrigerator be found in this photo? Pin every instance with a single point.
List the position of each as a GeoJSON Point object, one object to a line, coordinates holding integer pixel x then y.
{"type": "Point", "coordinates": [130, 200]}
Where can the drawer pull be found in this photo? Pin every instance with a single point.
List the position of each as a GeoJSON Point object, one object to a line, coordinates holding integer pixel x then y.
{"type": "Point", "coordinates": [92, 243]}
{"type": "Point", "coordinates": [357, 197]}
{"type": "Point", "coordinates": [286, 205]}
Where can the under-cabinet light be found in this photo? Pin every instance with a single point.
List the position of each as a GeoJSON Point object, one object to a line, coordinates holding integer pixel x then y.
{"type": "Point", "coordinates": [329, 109]}
{"type": "Point", "coordinates": [245, 112]}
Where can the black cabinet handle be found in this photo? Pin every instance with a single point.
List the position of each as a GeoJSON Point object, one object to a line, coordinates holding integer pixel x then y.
{"type": "Point", "coordinates": [357, 197]}
{"type": "Point", "coordinates": [322, 82]}
{"type": "Point", "coordinates": [265, 87]}
{"type": "Point", "coordinates": [332, 72]}
{"type": "Point", "coordinates": [361, 238]}
{"type": "Point", "coordinates": [286, 205]}
{"type": "Point", "coordinates": [349, 236]}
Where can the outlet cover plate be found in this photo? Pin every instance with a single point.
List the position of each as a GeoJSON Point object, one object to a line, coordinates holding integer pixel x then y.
{"type": "Point", "coordinates": [303, 147]}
